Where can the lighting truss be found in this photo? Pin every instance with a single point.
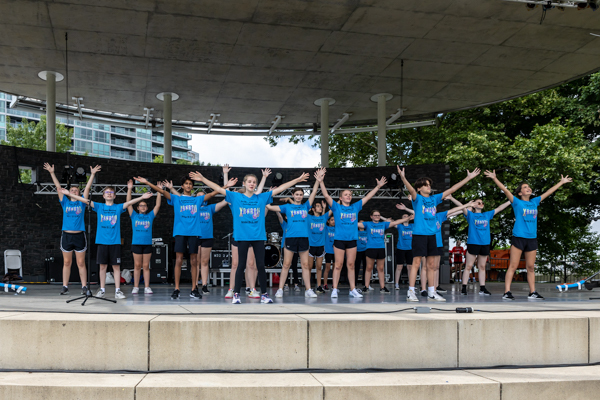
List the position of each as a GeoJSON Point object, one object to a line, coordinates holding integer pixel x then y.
{"type": "Point", "coordinates": [555, 3]}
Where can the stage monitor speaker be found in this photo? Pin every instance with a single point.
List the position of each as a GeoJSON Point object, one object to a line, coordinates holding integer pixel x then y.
{"type": "Point", "coordinates": [54, 269]}
{"type": "Point", "coordinates": [220, 259]}
{"type": "Point", "coordinates": [159, 263]}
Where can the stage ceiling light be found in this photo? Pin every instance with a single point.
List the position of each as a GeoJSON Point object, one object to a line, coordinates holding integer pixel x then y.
{"type": "Point", "coordinates": [278, 179]}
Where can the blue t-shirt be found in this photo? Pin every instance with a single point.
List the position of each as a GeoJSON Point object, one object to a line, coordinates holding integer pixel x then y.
{"type": "Point", "coordinates": [525, 217]}
{"type": "Point", "coordinates": [330, 232]}
{"type": "Point", "coordinates": [361, 243]}
{"type": "Point", "coordinates": [248, 214]}
{"type": "Point", "coordinates": [297, 218]}
{"type": "Point", "coordinates": [317, 233]}
{"type": "Point", "coordinates": [440, 217]}
{"type": "Point", "coordinates": [346, 220]}
{"type": "Point", "coordinates": [375, 234]}
{"type": "Point", "coordinates": [284, 226]}
{"type": "Point", "coordinates": [205, 222]}
{"type": "Point", "coordinates": [185, 209]}
{"type": "Point", "coordinates": [73, 212]}
{"type": "Point", "coordinates": [404, 237]}
{"type": "Point", "coordinates": [425, 210]}
{"type": "Point", "coordinates": [141, 225]}
{"type": "Point", "coordinates": [108, 230]}
{"type": "Point", "coordinates": [479, 227]}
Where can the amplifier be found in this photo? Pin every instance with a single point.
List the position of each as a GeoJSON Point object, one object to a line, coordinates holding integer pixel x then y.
{"type": "Point", "coordinates": [220, 259]}
{"type": "Point", "coordinates": [54, 268]}
{"type": "Point", "coordinates": [159, 263]}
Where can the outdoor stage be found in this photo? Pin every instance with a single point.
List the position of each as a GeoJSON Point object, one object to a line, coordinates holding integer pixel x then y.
{"type": "Point", "coordinates": [152, 347]}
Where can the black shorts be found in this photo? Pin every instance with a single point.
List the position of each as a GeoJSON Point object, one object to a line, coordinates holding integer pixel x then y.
{"type": "Point", "coordinates": [73, 242]}
{"type": "Point", "coordinates": [329, 258]}
{"type": "Point", "coordinates": [206, 243]}
{"type": "Point", "coordinates": [345, 244]}
{"type": "Point", "coordinates": [233, 242]}
{"type": "Point", "coordinates": [404, 257]}
{"type": "Point", "coordinates": [141, 248]}
{"type": "Point", "coordinates": [478, 249]}
{"type": "Point", "coordinates": [439, 251]}
{"type": "Point", "coordinates": [184, 244]}
{"type": "Point", "coordinates": [523, 244]}
{"type": "Point", "coordinates": [424, 245]}
{"type": "Point", "coordinates": [375, 254]}
{"type": "Point", "coordinates": [296, 244]}
{"type": "Point", "coordinates": [109, 254]}
{"type": "Point", "coordinates": [316, 252]}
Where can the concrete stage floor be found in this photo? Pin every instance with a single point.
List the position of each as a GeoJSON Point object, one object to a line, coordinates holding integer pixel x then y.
{"type": "Point", "coordinates": [46, 298]}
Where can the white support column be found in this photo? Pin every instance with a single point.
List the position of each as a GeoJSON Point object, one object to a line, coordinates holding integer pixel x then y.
{"type": "Point", "coordinates": [51, 78]}
{"type": "Point", "coordinates": [324, 103]}
{"type": "Point", "coordinates": [381, 100]}
{"type": "Point", "coordinates": [168, 98]}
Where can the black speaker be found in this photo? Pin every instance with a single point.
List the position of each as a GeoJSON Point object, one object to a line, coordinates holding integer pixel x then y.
{"type": "Point", "coordinates": [54, 270]}
{"type": "Point", "coordinates": [219, 259]}
{"type": "Point", "coordinates": [159, 263]}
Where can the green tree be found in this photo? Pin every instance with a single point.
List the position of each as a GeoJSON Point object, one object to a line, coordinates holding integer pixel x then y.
{"type": "Point", "coordinates": [32, 135]}
{"type": "Point", "coordinates": [159, 159]}
{"type": "Point", "coordinates": [183, 162]}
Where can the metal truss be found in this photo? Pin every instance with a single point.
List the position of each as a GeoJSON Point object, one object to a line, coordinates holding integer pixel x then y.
{"type": "Point", "coordinates": [121, 190]}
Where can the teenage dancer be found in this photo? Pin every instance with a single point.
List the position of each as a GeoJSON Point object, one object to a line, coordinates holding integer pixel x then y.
{"type": "Point", "coordinates": [361, 256]}
{"type": "Point", "coordinates": [346, 232]}
{"type": "Point", "coordinates": [248, 211]}
{"type": "Point", "coordinates": [424, 242]}
{"type": "Point", "coordinates": [404, 254]}
{"type": "Point", "coordinates": [141, 242]}
{"type": "Point", "coordinates": [329, 251]}
{"type": "Point", "coordinates": [73, 237]}
{"type": "Point", "coordinates": [317, 222]}
{"type": "Point", "coordinates": [524, 239]}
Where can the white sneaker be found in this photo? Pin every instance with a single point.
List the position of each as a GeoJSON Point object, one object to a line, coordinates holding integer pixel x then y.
{"type": "Point", "coordinates": [279, 293]}
{"type": "Point", "coordinates": [354, 293]}
{"type": "Point", "coordinates": [371, 288]}
{"type": "Point", "coordinates": [254, 294]}
{"type": "Point", "coordinates": [411, 296]}
{"type": "Point", "coordinates": [296, 288]}
{"type": "Point", "coordinates": [100, 293]}
{"type": "Point", "coordinates": [148, 291]}
{"type": "Point", "coordinates": [236, 299]}
{"type": "Point", "coordinates": [310, 293]}
{"type": "Point", "coordinates": [435, 297]}
{"type": "Point", "coordinates": [135, 290]}
{"type": "Point", "coordinates": [397, 287]}
{"type": "Point", "coordinates": [229, 294]}
{"type": "Point", "coordinates": [334, 293]}
{"type": "Point", "coordinates": [119, 295]}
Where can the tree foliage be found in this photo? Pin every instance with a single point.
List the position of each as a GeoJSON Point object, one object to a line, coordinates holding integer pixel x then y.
{"type": "Point", "coordinates": [32, 135]}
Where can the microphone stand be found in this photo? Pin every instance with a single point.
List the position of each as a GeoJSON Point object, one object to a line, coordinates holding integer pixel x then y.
{"type": "Point", "coordinates": [88, 292]}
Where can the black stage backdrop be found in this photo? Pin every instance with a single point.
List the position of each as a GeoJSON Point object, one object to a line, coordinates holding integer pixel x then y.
{"type": "Point", "coordinates": [32, 223]}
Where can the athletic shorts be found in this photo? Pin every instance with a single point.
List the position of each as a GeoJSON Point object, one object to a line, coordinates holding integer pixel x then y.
{"type": "Point", "coordinates": [316, 252]}
{"type": "Point", "coordinates": [524, 244]}
{"type": "Point", "coordinates": [141, 248]}
{"type": "Point", "coordinates": [73, 241]}
{"type": "Point", "coordinates": [233, 242]}
{"type": "Point", "coordinates": [478, 249]}
{"type": "Point", "coordinates": [329, 258]}
{"type": "Point", "coordinates": [206, 243]}
{"type": "Point", "coordinates": [375, 254]}
{"type": "Point", "coordinates": [439, 251]}
{"type": "Point", "coordinates": [404, 257]}
{"type": "Point", "coordinates": [109, 254]}
{"type": "Point", "coordinates": [185, 244]}
{"type": "Point", "coordinates": [345, 244]}
{"type": "Point", "coordinates": [424, 245]}
{"type": "Point", "coordinates": [296, 244]}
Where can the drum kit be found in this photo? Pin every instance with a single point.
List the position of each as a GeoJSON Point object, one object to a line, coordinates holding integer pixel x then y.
{"type": "Point", "coordinates": [273, 250]}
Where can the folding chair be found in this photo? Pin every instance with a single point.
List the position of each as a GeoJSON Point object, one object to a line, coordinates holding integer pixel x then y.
{"type": "Point", "coordinates": [12, 260]}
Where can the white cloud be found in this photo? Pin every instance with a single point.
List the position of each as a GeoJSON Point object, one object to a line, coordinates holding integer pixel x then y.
{"type": "Point", "coordinates": [253, 151]}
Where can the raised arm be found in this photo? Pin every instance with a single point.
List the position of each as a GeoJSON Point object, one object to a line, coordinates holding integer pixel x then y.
{"type": "Point", "coordinates": [458, 210]}
{"type": "Point", "coordinates": [50, 168]}
{"type": "Point", "coordinates": [361, 225]}
{"type": "Point", "coordinates": [380, 183]}
{"type": "Point", "coordinates": [158, 200]}
{"type": "Point", "coordinates": [400, 221]}
{"type": "Point", "coordinates": [404, 208]}
{"type": "Point", "coordinates": [456, 202]}
{"type": "Point", "coordinates": [326, 195]}
{"type": "Point", "coordinates": [411, 190]}
{"type": "Point", "coordinates": [66, 192]}
{"type": "Point", "coordinates": [507, 193]}
{"type": "Point", "coordinates": [228, 184]}
{"type": "Point", "coordinates": [563, 180]}
{"type": "Point", "coordinates": [271, 207]}
{"type": "Point", "coordinates": [265, 173]}
{"type": "Point", "coordinates": [197, 176]}
{"type": "Point", "coordinates": [129, 189]}
{"type": "Point", "coordinates": [470, 175]}
{"type": "Point", "coordinates": [153, 186]}
{"type": "Point", "coordinates": [287, 185]}
{"type": "Point", "coordinates": [501, 207]}
{"type": "Point", "coordinates": [226, 169]}
{"type": "Point", "coordinates": [88, 186]}
{"type": "Point", "coordinates": [220, 205]}
{"type": "Point", "coordinates": [319, 173]}
{"type": "Point", "coordinates": [129, 203]}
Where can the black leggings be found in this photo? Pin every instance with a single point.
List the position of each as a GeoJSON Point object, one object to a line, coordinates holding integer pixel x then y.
{"type": "Point", "coordinates": [361, 260]}
{"type": "Point", "coordinates": [259, 253]}
{"type": "Point", "coordinates": [294, 268]}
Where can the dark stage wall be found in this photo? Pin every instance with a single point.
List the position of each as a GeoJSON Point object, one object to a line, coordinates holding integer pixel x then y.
{"type": "Point", "coordinates": [32, 223]}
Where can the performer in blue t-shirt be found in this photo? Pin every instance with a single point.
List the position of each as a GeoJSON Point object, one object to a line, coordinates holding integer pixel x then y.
{"type": "Point", "coordinates": [248, 210]}
{"type": "Point", "coordinates": [524, 239]}
{"type": "Point", "coordinates": [73, 237]}
{"type": "Point", "coordinates": [361, 256]}
{"type": "Point", "coordinates": [329, 253]}
{"type": "Point", "coordinates": [141, 241]}
{"type": "Point", "coordinates": [346, 232]}
{"type": "Point", "coordinates": [423, 239]}
{"type": "Point", "coordinates": [404, 254]}
{"type": "Point", "coordinates": [317, 222]}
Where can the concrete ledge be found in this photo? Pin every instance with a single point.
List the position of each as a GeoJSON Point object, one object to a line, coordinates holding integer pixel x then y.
{"type": "Point", "coordinates": [437, 385]}
{"type": "Point", "coordinates": [36, 386]}
{"type": "Point", "coordinates": [94, 342]}
{"type": "Point", "coordinates": [230, 386]}
{"type": "Point", "coordinates": [380, 341]}
{"type": "Point", "coordinates": [594, 329]}
{"type": "Point", "coordinates": [523, 339]}
{"type": "Point", "coordinates": [230, 343]}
